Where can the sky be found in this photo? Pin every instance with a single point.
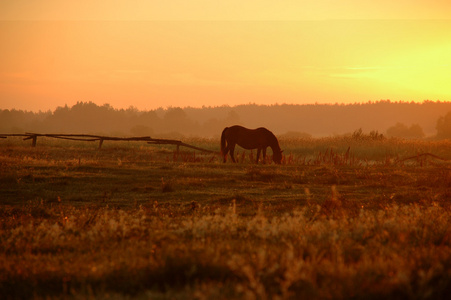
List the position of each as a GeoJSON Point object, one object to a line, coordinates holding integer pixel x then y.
{"type": "Point", "coordinates": [151, 54]}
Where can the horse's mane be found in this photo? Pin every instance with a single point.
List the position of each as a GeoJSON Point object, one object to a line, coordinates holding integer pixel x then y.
{"type": "Point", "coordinates": [273, 137]}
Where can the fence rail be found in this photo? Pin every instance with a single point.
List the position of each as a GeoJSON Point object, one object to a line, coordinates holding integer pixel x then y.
{"type": "Point", "coordinates": [100, 139]}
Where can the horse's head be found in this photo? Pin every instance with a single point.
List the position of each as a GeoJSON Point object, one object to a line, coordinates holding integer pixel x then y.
{"type": "Point", "coordinates": [277, 157]}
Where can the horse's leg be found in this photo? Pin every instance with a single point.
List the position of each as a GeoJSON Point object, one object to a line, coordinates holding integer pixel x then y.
{"type": "Point", "coordinates": [225, 154]}
{"type": "Point", "coordinates": [264, 155]}
{"type": "Point", "coordinates": [232, 152]}
{"type": "Point", "coordinates": [258, 154]}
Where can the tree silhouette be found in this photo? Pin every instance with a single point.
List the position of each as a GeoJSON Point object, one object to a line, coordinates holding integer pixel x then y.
{"type": "Point", "coordinates": [402, 131]}
{"type": "Point", "coordinates": [316, 120]}
{"type": "Point", "coordinates": [444, 126]}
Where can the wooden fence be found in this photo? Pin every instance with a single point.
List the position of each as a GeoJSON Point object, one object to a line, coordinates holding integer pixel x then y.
{"type": "Point", "coordinates": [93, 138]}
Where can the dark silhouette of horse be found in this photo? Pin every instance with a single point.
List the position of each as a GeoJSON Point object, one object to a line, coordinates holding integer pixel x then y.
{"type": "Point", "coordinates": [259, 138]}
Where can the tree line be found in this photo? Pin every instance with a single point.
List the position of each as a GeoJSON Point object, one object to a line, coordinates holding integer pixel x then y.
{"type": "Point", "coordinates": [399, 119]}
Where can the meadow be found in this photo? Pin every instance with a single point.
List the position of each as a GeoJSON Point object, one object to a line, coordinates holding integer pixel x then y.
{"type": "Point", "coordinates": [356, 217]}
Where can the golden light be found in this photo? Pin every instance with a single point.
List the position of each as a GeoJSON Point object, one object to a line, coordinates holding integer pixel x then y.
{"type": "Point", "coordinates": [324, 56]}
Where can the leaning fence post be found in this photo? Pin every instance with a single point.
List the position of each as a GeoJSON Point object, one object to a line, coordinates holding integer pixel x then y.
{"type": "Point", "coordinates": [100, 143]}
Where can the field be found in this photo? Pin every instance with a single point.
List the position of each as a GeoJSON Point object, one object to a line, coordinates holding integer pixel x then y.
{"type": "Point", "coordinates": [340, 218]}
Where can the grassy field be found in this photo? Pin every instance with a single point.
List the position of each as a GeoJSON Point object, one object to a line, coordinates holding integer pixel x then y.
{"type": "Point", "coordinates": [340, 218]}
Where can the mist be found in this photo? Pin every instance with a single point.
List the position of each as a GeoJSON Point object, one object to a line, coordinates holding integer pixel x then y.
{"type": "Point", "coordinates": [413, 120]}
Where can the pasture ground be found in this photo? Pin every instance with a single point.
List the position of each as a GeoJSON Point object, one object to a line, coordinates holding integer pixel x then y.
{"type": "Point", "coordinates": [340, 218]}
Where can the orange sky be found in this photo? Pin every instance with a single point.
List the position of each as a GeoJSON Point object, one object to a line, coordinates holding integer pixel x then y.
{"type": "Point", "coordinates": [151, 54]}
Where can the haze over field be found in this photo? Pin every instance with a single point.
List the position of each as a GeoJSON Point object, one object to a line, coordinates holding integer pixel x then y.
{"type": "Point", "coordinates": [151, 54]}
{"type": "Point", "coordinates": [399, 119]}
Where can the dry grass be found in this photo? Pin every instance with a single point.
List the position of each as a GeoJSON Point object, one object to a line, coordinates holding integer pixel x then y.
{"type": "Point", "coordinates": [134, 222]}
{"type": "Point", "coordinates": [399, 252]}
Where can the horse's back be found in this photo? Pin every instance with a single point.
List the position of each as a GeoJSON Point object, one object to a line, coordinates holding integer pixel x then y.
{"type": "Point", "coordinates": [239, 128]}
{"type": "Point", "coordinates": [248, 138]}
{"type": "Point", "coordinates": [236, 128]}
{"type": "Point", "coordinates": [236, 131]}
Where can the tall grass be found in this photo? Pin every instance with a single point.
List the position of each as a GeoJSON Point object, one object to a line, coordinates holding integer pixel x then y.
{"type": "Point", "coordinates": [367, 148]}
{"type": "Point", "coordinates": [398, 252]}
{"type": "Point", "coordinates": [338, 219]}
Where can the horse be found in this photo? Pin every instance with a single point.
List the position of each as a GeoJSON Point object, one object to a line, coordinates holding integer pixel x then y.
{"type": "Point", "coordinates": [259, 138]}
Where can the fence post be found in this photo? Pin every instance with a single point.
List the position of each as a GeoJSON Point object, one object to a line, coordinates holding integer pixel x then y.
{"type": "Point", "coordinates": [100, 143]}
{"type": "Point", "coordinates": [34, 139]}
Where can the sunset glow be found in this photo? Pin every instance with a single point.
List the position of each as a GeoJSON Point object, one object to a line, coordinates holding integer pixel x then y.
{"type": "Point", "coordinates": [148, 55]}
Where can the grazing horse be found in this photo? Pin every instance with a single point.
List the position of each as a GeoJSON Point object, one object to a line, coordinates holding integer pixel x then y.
{"type": "Point", "coordinates": [259, 138]}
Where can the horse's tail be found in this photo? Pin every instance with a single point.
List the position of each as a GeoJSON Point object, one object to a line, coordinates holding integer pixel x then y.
{"type": "Point", "coordinates": [223, 141]}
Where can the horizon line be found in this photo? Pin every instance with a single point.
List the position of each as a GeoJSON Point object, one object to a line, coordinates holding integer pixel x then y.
{"type": "Point", "coordinates": [132, 107]}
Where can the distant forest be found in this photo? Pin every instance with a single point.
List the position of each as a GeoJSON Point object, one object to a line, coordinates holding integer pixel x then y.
{"type": "Point", "coordinates": [430, 119]}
